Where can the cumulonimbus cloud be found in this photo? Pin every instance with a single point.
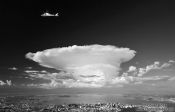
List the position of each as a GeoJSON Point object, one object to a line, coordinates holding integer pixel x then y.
{"type": "Point", "coordinates": [90, 65]}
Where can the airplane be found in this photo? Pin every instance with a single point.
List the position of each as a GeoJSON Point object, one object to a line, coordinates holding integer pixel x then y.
{"type": "Point", "coordinates": [47, 14]}
{"type": "Point", "coordinates": [56, 14]}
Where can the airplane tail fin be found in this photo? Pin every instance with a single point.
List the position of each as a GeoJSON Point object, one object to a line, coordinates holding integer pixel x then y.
{"type": "Point", "coordinates": [56, 14]}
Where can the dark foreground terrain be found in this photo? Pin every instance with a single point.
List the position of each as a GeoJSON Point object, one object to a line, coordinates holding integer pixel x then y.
{"type": "Point", "coordinates": [35, 104]}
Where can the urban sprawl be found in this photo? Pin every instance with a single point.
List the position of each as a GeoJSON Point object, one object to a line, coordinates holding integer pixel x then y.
{"type": "Point", "coordinates": [34, 104]}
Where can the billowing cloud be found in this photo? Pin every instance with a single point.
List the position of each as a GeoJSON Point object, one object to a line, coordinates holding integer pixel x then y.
{"type": "Point", "coordinates": [89, 66]}
{"type": "Point", "coordinates": [141, 71]}
{"type": "Point", "coordinates": [137, 75]}
{"type": "Point", "coordinates": [8, 83]}
{"type": "Point", "coordinates": [132, 69]}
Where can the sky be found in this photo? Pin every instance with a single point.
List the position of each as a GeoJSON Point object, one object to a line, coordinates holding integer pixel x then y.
{"type": "Point", "coordinates": [121, 47]}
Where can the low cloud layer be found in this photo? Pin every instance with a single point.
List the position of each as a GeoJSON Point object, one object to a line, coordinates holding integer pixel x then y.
{"type": "Point", "coordinates": [88, 66]}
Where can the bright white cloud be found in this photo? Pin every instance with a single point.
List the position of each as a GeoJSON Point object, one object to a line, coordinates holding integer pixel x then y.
{"type": "Point", "coordinates": [88, 66]}
{"type": "Point", "coordinates": [132, 69]}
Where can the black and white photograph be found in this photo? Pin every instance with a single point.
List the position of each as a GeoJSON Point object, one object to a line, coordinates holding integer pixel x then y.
{"type": "Point", "coordinates": [87, 56]}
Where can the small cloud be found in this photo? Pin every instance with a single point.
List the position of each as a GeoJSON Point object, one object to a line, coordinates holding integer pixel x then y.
{"type": "Point", "coordinates": [31, 71]}
{"type": "Point", "coordinates": [35, 71]}
{"type": "Point", "coordinates": [154, 78]}
{"type": "Point", "coordinates": [2, 83]}
{"type": "Point", "coordinates": [13, 68]}
{"type": "Point", "coordinates": [120, 80]}
{"type": "Point", "coordinates": [171, 61]}
{"type": "Point", "coordinates": [43, 71]}
{"type": "Point", "coordinates": [8, 83]}
{"type": "Point", "coordinates": [51, 85]}
{"type": "Point", "coordinates": [132, 69]}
